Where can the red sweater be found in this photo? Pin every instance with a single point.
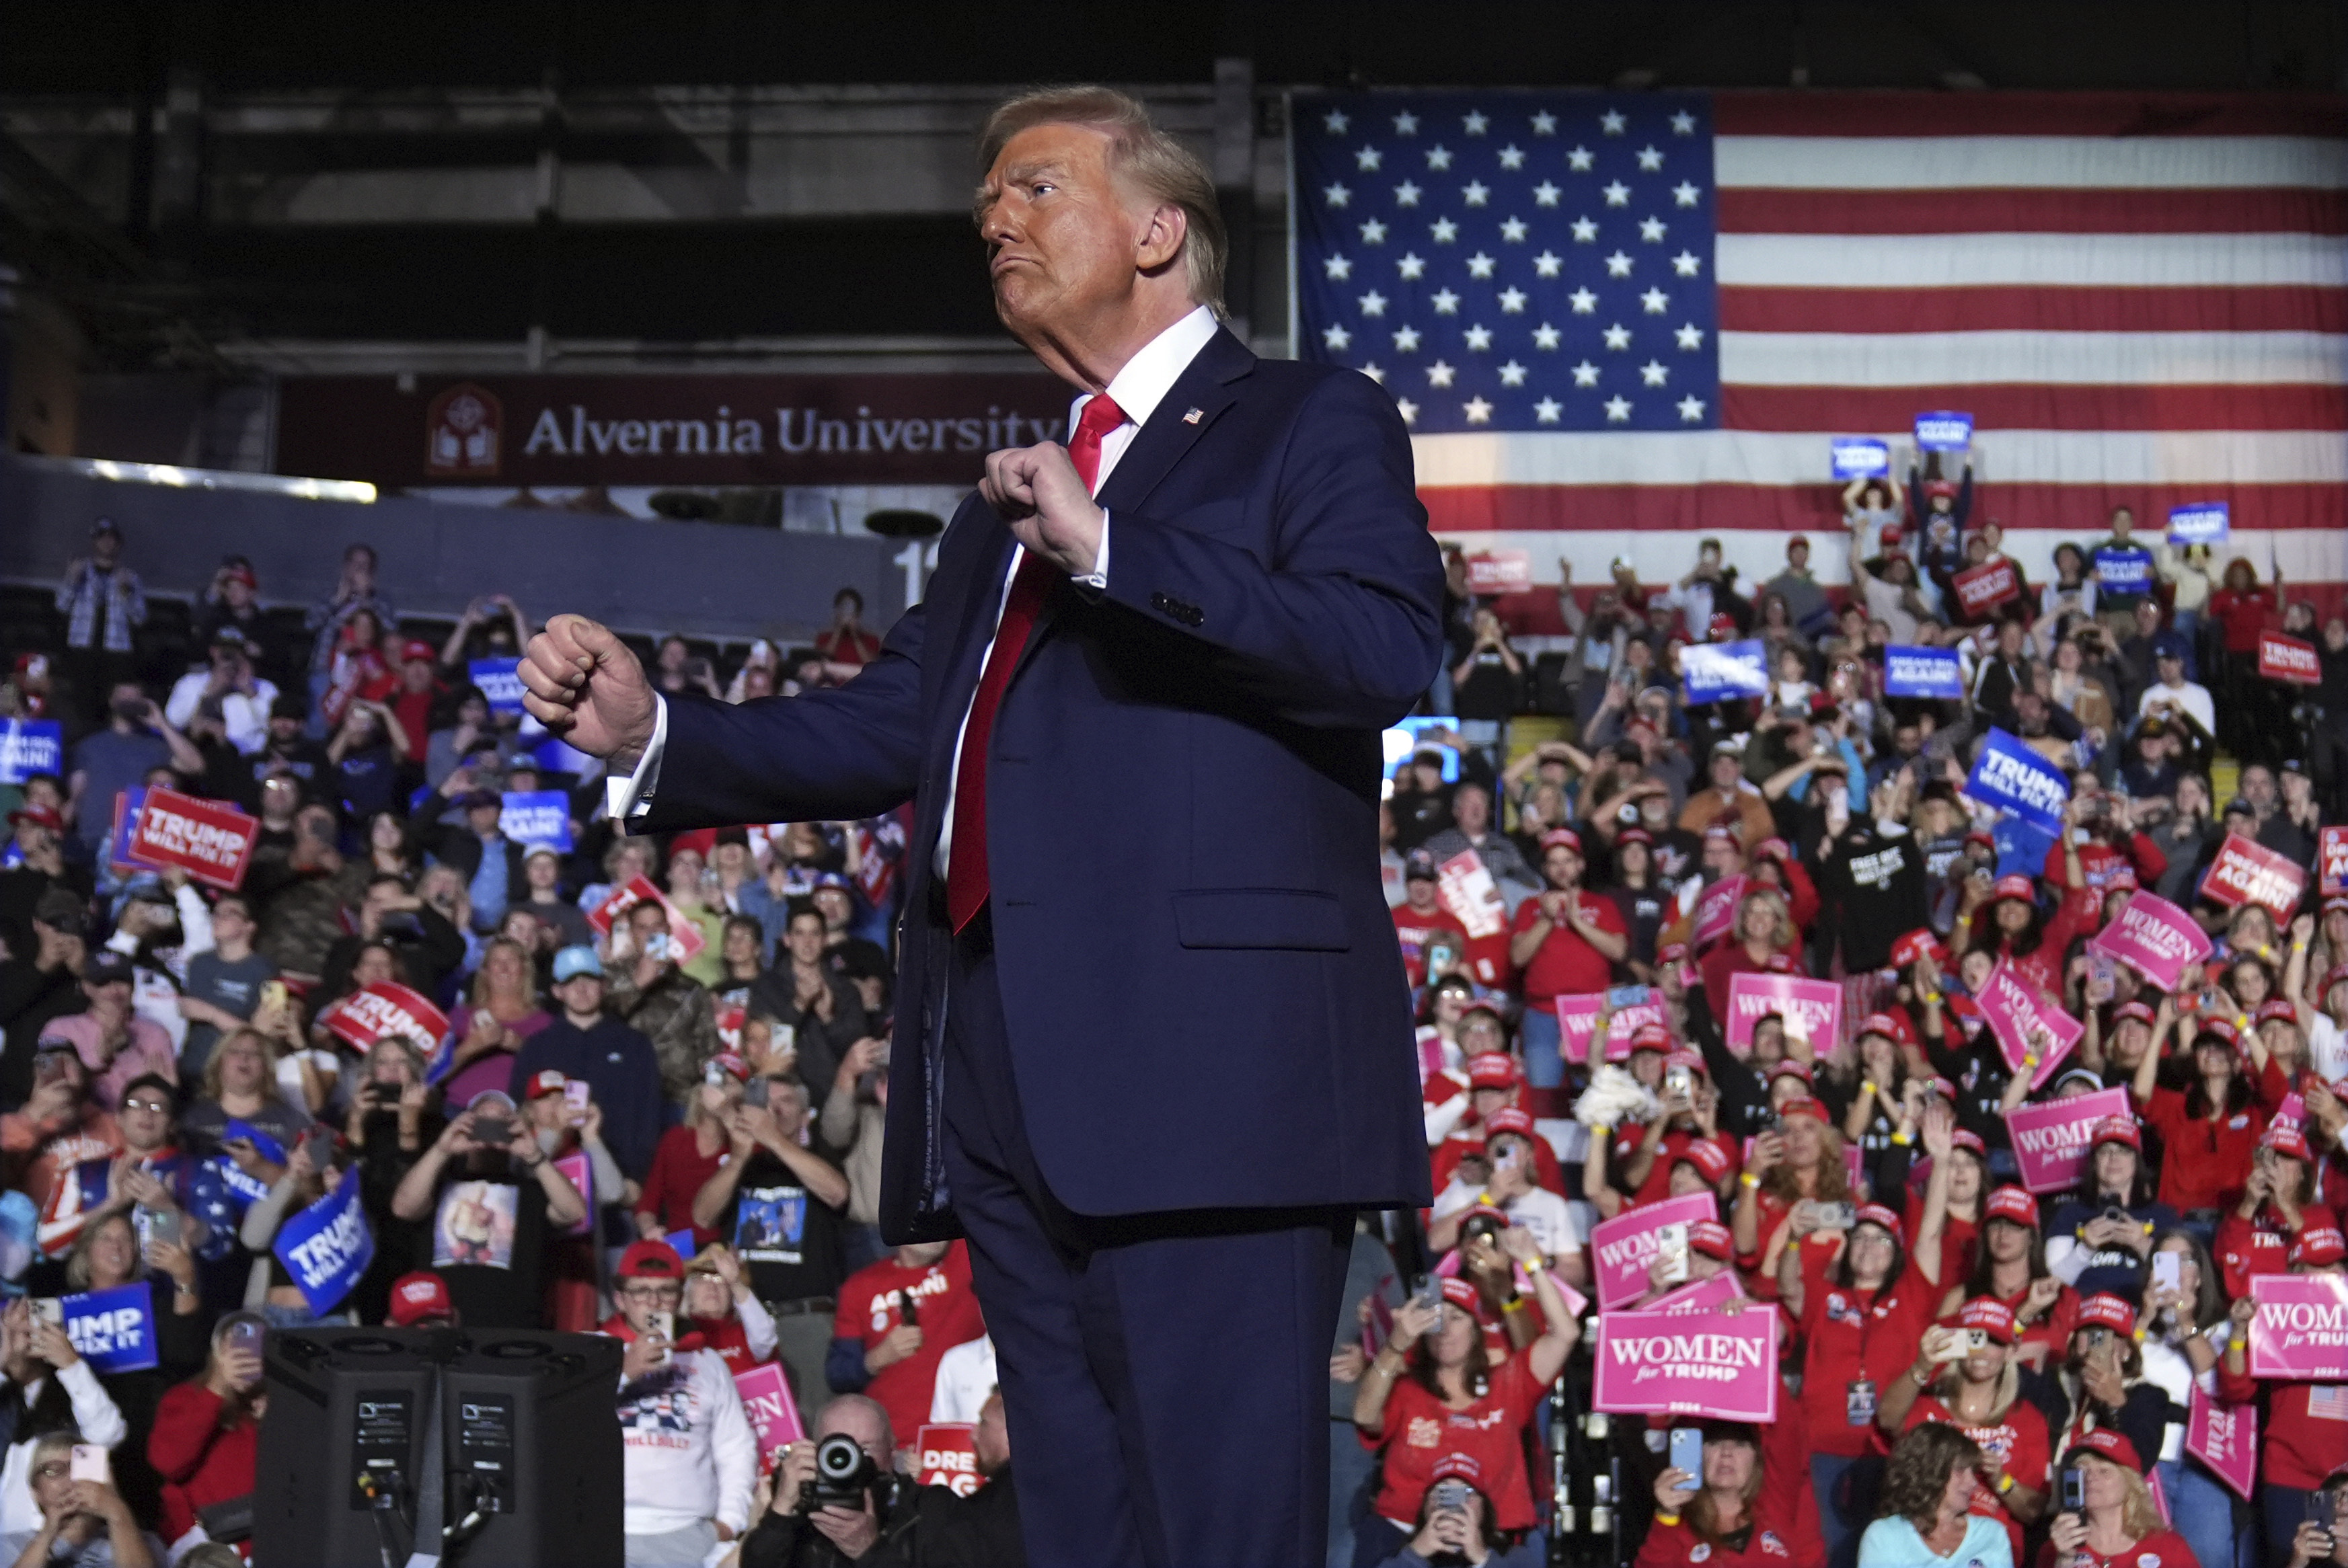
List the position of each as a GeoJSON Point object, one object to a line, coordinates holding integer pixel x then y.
{"type": "Point", "coordinates": [2306, 1428]}
{"type": "Point", "coordinates": [2205, 1162]}
{"type": "Point", "coordinates": [200, 1460]}
{"type": "Point", "coordinates": [2243, 615]}
{"type": "Point", "coordinates": [1852, 1334]}
{"type": "Point", "coordinates": [678, 1173]}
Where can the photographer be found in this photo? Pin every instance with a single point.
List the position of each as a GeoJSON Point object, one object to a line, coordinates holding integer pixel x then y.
{"type": "Point", "coordinates": [809, 1524]}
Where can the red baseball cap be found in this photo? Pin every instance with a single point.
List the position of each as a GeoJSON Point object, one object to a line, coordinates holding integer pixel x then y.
{"type": "Point", "coordinates": [2275, 1008]}
{"type": "Point", "coordinates": [1969, 1141]}
{"type": "Point", "coordinates": [1876, 1023]}
{"type": "Point", "coordinates": [40, 816]}
{"type": "Point", "coordinates": [417, 650]}
{"type": "Point", "coordinates": [2117, 1130]}
{"type": "Point", "coordinates": [2137, 1011]}
{"type": "Point", "coordinates": [1711, 1238]}
{"type": "Point", "coordinates": [1691, 1060]}
{"type": "Point", "coordinates": [2219, 1027]}
{"type": "Point", "coordinates": [1709, 1158]}
{"type": "Point", "coordinates": [2286, 1140]}
{"type": "Point", "coordinates": [1877, 1214]}
{"type": "Point", "coordinates": [1786, 1067]}
{"type": "Point", "coordinates": [1917, 944]}
{"type": "Point", "coordinates": [650, 1258]}
{"type": "Point", "coordinates": [1506, 1120]}
{"type": "Point", "coordinates": [1634, 835]}
{"type": "Point", "coordinates": [732, 1066]}
{"type": "Point", "coordinates": [2107, 1442]}
{"type": "Point", "coordinates": [1773, 849]}
{"type": "Point", "coordinates": [1651, 1037]}
{"type": "Point", "coordinates": [2013, 1204]}
{"type": "Point", "coordinates": [541, 1084]}
{"type": "Point", "coordinates": [1491, 1070]}
{"type": "Point", "coordinates": [2109, 1310]}
{"type": "Point", "coordinates": [1806, 1106]}
{"type": "Point", "coordinates": [2015, 886]}
{"type": "Point", "coordinates": [1460, 1293]}
{"type": "Point", "coordinates": [1981, 835]}
{"type": "Point", "coordinates": [417, 1296]}
{"type": "Point", "coordinates": [1565, 835]}
{"type": "Point", "coordinates": [1457, 1467]}
{"type": "Point", "coordinates": [1723, 622]}
{"type": "Point", "coordinates": [2320, 1244]}
{"type": "Point", "coordinates": [1988, 1312]}
{"type": "Point", "coordinates": [1673, 952]}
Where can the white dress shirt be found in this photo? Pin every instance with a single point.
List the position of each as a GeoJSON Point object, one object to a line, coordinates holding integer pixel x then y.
{"type": "Point", "coordinates": [1138, 389]}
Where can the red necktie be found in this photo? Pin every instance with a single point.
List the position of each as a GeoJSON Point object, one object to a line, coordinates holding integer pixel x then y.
{"type": "Point", "coordinates": [966, 878]}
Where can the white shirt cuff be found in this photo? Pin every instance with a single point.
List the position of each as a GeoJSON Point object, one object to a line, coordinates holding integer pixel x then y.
{"type": "Point", "coordinates": [1099, 577]}
{"type": "Point", "coordinates": [625, 798]}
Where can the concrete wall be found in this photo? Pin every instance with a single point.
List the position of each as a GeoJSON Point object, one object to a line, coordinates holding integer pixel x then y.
{"type": "Point", "coordinates": [705, 580]}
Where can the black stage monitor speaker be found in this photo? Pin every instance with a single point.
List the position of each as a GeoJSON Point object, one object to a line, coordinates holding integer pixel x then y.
{"type": "Point", "coordinates": [503, 1443]}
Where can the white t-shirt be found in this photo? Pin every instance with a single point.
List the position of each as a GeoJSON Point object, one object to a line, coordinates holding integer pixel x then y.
{"type": "Point", "coordinates": [2327, 1048]}
{"type": "Point", "coordinates": [1553, 1221]}
{"type": "Point", "coordinates": [966, 1376]}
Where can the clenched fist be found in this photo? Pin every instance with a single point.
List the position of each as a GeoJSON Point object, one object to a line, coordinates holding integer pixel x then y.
{"type": "Point", "coordinates": [584, 685]}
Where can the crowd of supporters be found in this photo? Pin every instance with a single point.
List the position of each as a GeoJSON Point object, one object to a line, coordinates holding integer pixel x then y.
{"type": "Point", "coordinates": [655, 1108]}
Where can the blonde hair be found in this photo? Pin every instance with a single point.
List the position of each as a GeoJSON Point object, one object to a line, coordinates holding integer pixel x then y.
{"type": "Point", "coordinates": [211, 1084]}
{"type": "Point", "coordinates": [1141, 154]}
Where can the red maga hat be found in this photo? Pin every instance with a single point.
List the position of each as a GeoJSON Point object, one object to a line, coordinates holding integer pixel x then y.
{"type": "Point", "coordinates": [1988, 1312]}
{"type": "Point", "coordinates": [1491, 1070]}
{"type": "Point", "coordinates": [2013, 1204]}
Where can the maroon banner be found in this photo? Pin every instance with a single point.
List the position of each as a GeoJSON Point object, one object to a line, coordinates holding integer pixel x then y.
{"type": "Point", "coordinates": [209, 839]}
{"type": "Point", "coordinates": [1982, 587]}
{"type": "Point", "coordinates": [683, 932]}
{"type": "Point", "coordinates": [617, 430]}
{"type": "Point", "coordinates": [2288, 659]}
{"type": "Point", "coordinates": [2249, 873]}
{"type": "Point", "coordinates": [385, 1010]}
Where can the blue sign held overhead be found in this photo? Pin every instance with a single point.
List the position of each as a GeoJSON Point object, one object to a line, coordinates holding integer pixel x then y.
{"type": "Point", "coordinates": [536, 816]}
{"type": "Point", "coordinates": [2200, 523]}
{"type": "Point", "coordinates": [2124, 570]}
{"type": "Point", "coordinates": [1944, 432]}
{"type": "Point", "coordinates": [113, 1330]}
{"type": "Point", "coordinates": [1912, 671]}
{"type": "Point", "coordinates": [1404, 741]}
{"type": "Point", "coordinates": [1860, 458]}
{"type": "Point", "coordinates": [501, 682]}
{"type": "Point", "coordinates": [2012, 777]}
{"type": "Point", "coordinates": [29, 746]}
{"type": "Point", "coordinates": [328, 1247]}
{"type": "Point", "coordinates": [1722, 672]}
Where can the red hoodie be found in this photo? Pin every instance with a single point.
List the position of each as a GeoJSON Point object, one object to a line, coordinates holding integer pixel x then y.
{"type": "Point", "coordinates": [202, 1460]}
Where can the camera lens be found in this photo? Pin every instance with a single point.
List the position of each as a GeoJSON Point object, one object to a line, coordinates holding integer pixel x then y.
{"type": "Point", "coordinates": [838, 1457]}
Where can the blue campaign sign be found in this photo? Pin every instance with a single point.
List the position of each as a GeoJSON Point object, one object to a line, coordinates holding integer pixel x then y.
{"type": "Point", "coordinates": [328, 1247]}
{"type": "Point", "coordinates": [536, 816]}
{"type": "Point", "coordinates": [683, 1241]}
{"type": "Point", "coordinates": [243, 1191]}
{"type": "Point", "coordinates": [1719, 671]}
{"type": "Point", "coordinates": [2021, 848]}
{"type": "Point", "coordinates": [126, 824]}
{"type": "Point", "coordinates": [29, 746]}
{"type": "Point", "coordinates": [559, 756]}
{"type": "Point", "coordinates": [501, 682]}
{"type": "Point", "coordinates": [2200, 523]}
{"type": "Point", "coordinates": [113, 1330]}
{"type": "Point", "coordinates": [1859, 458]}
{"type": "Point", "coordinates": [1944, 431]}
{"type": "Point", "coordinates": [2128, 570]}
{"type": "Point", "coordinates": [2012, 776]}
{"type": "Point", "coordinates": [1912, 671]}
{"type": "Point", "coordinates": [1404, 739]}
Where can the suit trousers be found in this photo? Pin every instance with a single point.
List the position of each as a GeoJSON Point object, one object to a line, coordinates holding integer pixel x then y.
{"type": "Point", "coordinates": [1165, 1377]}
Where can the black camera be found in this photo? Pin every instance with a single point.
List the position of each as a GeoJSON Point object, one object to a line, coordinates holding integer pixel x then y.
{"type": "Point", "coordinates": [844, 1476]}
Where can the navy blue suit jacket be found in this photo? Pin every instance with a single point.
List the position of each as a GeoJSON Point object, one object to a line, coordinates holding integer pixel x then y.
{"type": "Point", "coordinates": [1199, 979]}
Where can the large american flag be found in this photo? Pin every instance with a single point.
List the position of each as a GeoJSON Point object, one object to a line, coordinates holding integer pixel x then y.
{"type": "Point", "coordinates": [1646, 314]}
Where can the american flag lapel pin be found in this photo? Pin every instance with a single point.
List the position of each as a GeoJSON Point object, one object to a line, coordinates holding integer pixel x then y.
{"type": "Point", "coordinates": [1193, 416]}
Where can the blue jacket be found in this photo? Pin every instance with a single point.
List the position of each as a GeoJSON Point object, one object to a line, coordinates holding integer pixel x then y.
{"type": "Point", "coordinates": [1201, 983]}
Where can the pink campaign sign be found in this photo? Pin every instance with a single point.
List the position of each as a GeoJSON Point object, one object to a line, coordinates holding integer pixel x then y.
{"type": "Point", "coordinates": [2226, 1439]}
{"type": "Point", "coordinates": [1625, 1245]}
{"type": "Point", "coordinates": [1703, 1296]}
{"type": "Point", "coordinates": [2015, 1010]}
{"type": "Point", "coordinates": [2155, 938]}
{"type": "Point", "coordinates": [1576, 1021]}
{"type": "Point", "coordinates": [1716, 912]}
{"type": "Point", "coordinates": [1805, 1004]}
{"type": "Point", "coordinates": [767, 1400]}
{"type": "Point", "coordinates": [2050, 1140]}
{"type": "Point", "coordinates": [1718, 1364]}
{"type": "Point", "coordinates": [2300, 1327]}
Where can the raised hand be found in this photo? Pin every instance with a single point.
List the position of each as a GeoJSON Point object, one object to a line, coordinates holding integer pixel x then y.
{"type": "Point", "coordinates": [1035, 490]}
{"type": "Point", "coordinates": [585, 685]}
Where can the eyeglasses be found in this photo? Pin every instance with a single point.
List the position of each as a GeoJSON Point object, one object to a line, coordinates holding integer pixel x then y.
{"type": "Point", "coordinates": [654, 1293]}
{"type": "Point", "coordinates": [159, 1107]}
{"type": "Point", "coordinates": [55, 1470]}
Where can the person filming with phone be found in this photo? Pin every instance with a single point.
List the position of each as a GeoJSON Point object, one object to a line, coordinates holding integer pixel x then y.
{"type": "Point", "coordinates": [690, 1458]}
{"type": "Point", "coordinates": [1455, 1528]}
{"type": "Point", "coordinates": [1724, 1511]}
{"type": "Point", "coordinates": [2108, 1518]}
{"type": "Point", "coordinates": [83, 1520]}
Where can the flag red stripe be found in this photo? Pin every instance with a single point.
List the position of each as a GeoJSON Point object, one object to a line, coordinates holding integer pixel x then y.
{"type": "Point", "coordinates": [2032, 406]}
{"type": "Point", "coordinates": [1746, 308]}
{"type": "Point", "coordinates": [1900, 114]}
{"type": "Point", "coordinates": [2263, 211]}
{"type": "Point", "coordinates": [1818, 509]}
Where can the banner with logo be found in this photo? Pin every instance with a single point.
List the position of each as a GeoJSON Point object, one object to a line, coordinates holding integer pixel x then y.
{"type": "Point", "coordinates": [113, 1330]}
{"type": "Point", "coordinates": [1577, 1022]}
{"type": "Point", "coordinates": [2012, 778]}
{"type": "Point", "coordinates": [1721, 1365]}
{"type": "Point", "coordinates": [774, 1416]}
{"type": "Point", "coordinates": [1716, 910]}
{"type": "Point", "coordinates": [947, 1456]}
{"type": "Point", "coordinates": [1913, 672]}
{"type": "Point", "coordinates": [2289, 659]}
{"type": "Point", "coordinates": [29, 746]}
{"type": "Point", "coordinates": [1704, 1295]}
{"type": "Point", "coordinates": [211, 840]}
{"type": "Point", "coordinates": [1944, 430]}
{"type": "Point", "coordinates": [2124, 570]}
{"type": "Point", "coordinates": [2026, 1023]}
{"type": "Point", "coordinates": [1809, 1008]}
{"type": "Point", "coordinates": [1499, 571]}
{"type": "Point", "coordinates": [532, 817]}
{"type": "Point", "coordinates": [127, 803]}
{"type": "Point", "coordinates": [1719, 671]}
{"type": "Point", "coordinates": [2226, 1439]}
{"type": "Point", "coordinates": [2050, 1139]}
{"type": "Point", "coordinates": [1466, 887]}
{"type": "Point", "coordinates": [683, 934]}
{"type": "Point", "coordinates": [501, 682]}
{"type": "Point", "coordinates": [2246, 872]}
{"type": "Point", "coordinates": [328, 1247]}
{"type": "Point", "coordinates": [386, 1010]}
{"type": "Point", "coordinates": [1982, 589]}
{"type": "Point", "coordinates": [2200, 523]}
{"type": "Point", "coordinates": [2155, 938]}
{"type": "Point", "coordinates": [1859, 457]}
{"type": "Point", "coordinates": [1624, 1245]}
{"type": "Point", "coordinates": [2331, 860]}
{"type": "Point", "coordinates": [2299, 1327]}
